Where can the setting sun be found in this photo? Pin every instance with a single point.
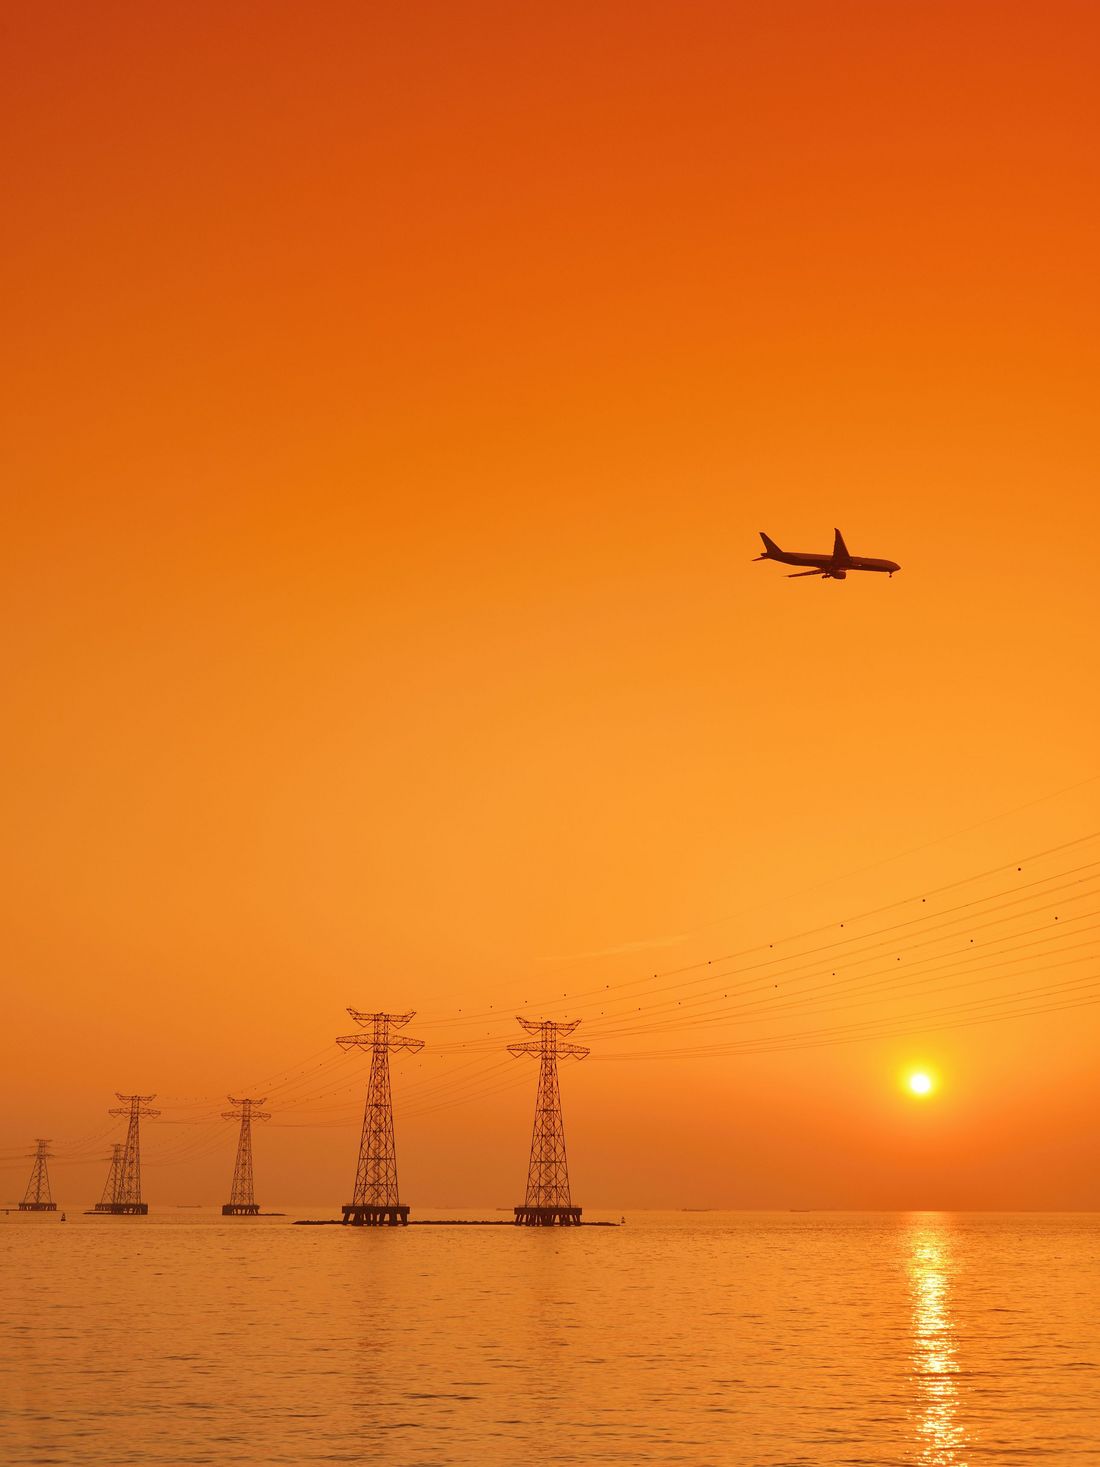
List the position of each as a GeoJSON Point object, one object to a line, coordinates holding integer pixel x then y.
{"type": "Point", "coordinates": [920, 1083]}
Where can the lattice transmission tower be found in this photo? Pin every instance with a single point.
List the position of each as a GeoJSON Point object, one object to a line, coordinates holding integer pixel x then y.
{"type": "Point", "coordinates": [37, 1196]}
{"type": "Point", "coordinates": [375, 1200]}
{"type": "Point", "coordinates": [242, 1198]}
{"type": "Point", "coordinates": [128, 1191]}
{"type": "Point", "coordinates": [110, 1187]}
{"type": "Point", "coordinates": [548, 1201]}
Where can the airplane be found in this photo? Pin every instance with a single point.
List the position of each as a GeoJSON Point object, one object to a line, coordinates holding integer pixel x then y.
{"type": "Point", "coordinates": [829, 567]}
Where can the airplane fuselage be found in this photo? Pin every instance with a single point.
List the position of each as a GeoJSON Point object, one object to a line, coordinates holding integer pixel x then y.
{"type": "Point", "coordinates": [828, 565]}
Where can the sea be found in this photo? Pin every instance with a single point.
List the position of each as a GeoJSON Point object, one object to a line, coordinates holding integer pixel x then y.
{"type": "Point", "coordinates": [673, 1338]}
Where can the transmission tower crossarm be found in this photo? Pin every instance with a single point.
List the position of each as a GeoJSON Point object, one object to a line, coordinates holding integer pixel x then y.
{"type": "Point", "coordinates": [368, 1041]}
{"type": "Point", "coordinates": [562, 1051]}
{"type": "Point", "coordinates": [144, 1108]}
{"type": "Point", "coordinates": [551, 1026]}
{"type": "Point", "coordinates": [392, 1021]}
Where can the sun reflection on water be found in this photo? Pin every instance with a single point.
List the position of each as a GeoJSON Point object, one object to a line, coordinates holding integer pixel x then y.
{"type": "Point", "coordinates": [941, 1437]}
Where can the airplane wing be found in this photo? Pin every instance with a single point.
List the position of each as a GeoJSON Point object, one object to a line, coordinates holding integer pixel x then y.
{"type": "Point", "coordinates": [840, 550]}
{"type": "Point", "coordinates": [817, 571]}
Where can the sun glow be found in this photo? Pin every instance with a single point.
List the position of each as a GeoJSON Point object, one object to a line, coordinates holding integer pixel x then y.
{"type": "Point", "coordinates": [920, 1082]}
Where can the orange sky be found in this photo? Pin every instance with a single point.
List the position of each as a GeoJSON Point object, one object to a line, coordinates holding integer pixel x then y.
{"type": "Point", "coordinates": [392, 400]}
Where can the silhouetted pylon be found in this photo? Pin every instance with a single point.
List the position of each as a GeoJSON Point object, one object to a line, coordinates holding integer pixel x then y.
{"type": "Point", "coordinates": [128, 1194]}
{"type": "Point", "coordinates": [375, 1199]}
{"type": "Point", "coordinates": [37, 1196]}
{"type": "Point", "coordinates": [242, 1197]}
{"type": "Point", "coordinates": [547, 1200]}
{"type": "Point", "coordinates": [110, 1187]}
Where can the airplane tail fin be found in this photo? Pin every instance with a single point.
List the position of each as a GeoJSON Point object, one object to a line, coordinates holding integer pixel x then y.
{"type": "Point", "coordinates": [840, 550]}
{"type": "Point", "coordinates": [770, 547]}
